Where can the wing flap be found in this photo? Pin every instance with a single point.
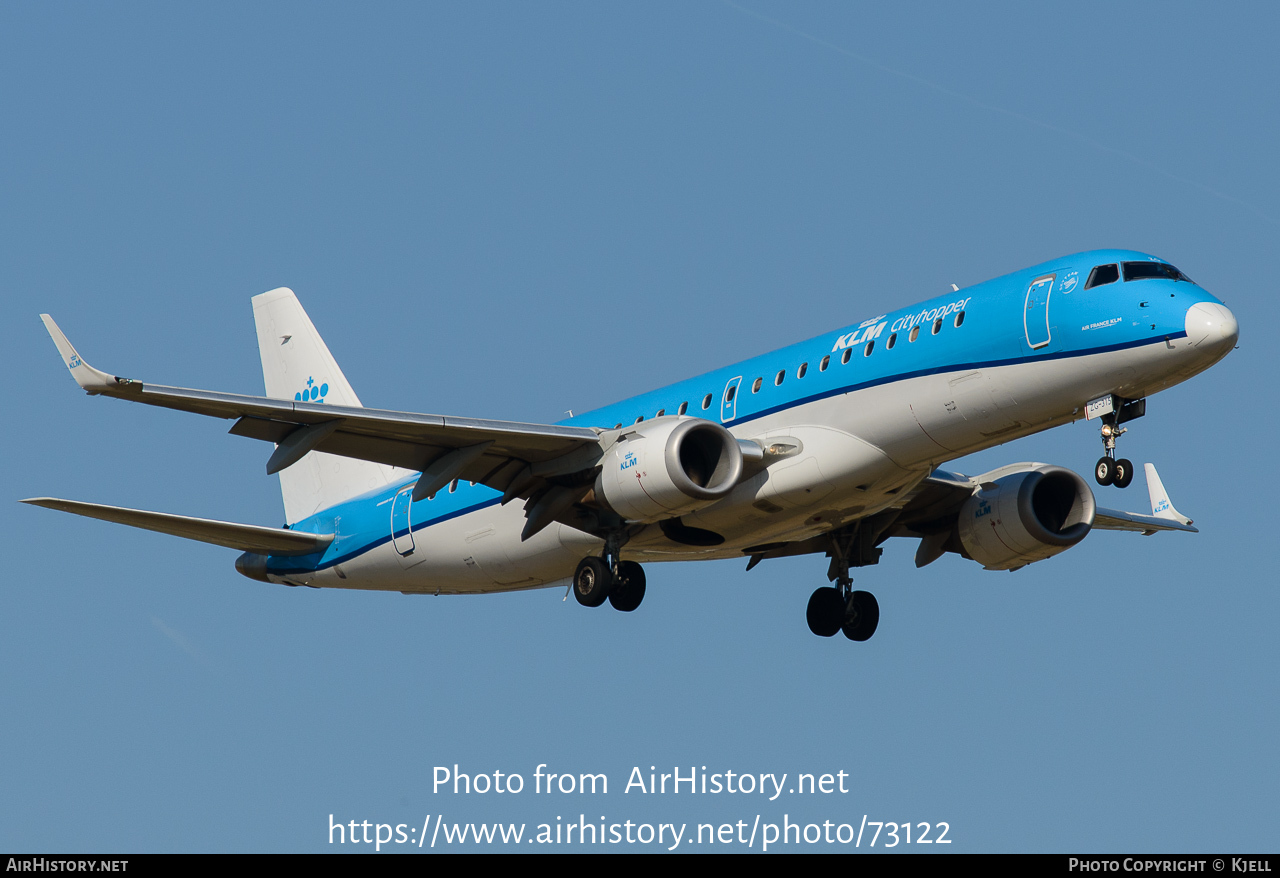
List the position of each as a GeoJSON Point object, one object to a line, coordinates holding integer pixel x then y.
{"type": "Point", "coordinates": [245, 537]}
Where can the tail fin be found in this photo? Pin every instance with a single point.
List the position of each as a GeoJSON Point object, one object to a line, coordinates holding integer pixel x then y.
{"type": "Point", "coordinates": [296, 364]}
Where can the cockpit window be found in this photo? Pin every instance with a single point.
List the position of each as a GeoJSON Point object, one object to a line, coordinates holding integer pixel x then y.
{"type": "Point", "coordinates": [1147, 270]}
{"type": "Point", "coordinates": [1103, 274]}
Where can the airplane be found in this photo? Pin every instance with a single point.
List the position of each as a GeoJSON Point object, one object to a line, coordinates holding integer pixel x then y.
{"type": "Point", "coordinates": [829, 446]}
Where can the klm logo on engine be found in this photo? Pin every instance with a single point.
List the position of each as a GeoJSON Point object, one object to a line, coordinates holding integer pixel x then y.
{"type": "Point", "coordinates": [312, 392]}
{"type": "Point", "coordinates": [984, 508]}
{"type": "Point", "coordinates": [629, 460]}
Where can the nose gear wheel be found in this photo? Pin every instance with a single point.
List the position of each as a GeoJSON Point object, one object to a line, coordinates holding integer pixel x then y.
{"type": "Point", "coordinates": [1109, 470]}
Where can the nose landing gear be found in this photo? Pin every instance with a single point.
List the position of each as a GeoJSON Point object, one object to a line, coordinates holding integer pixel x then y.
{"type": "Point", "coordinates": [1109, 470]}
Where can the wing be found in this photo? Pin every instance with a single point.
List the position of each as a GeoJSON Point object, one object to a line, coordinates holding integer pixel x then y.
{"type": "Point", "coordinates": [931, 510]}
{"type": "Point", "coordinates": [521, 460]}
{"type": "Point", "coordinates": [1113, 519]}
{"type": "Point", "coordinates": [1163, 515]}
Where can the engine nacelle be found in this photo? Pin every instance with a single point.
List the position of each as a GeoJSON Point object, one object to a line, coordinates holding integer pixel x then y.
{"type": "Point", "coordinates": [667, 467]}
{"type": "Point", "coordinates": [1025, 517]}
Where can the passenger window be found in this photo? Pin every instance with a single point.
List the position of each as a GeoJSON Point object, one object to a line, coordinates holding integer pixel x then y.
{"type": "Point", "coordinates": [804, 367]}
{"type": "Point", "coordinates": [959, 319]}
{"type": "Point", "coordinates": [937, 325]}
{"type": "Point", "coordinates": [639, 419]}
{"type": "Point", "coordinates": [755, 385]}
{"type": "Point", "coordinates": [453, 486]}
{"type": "Point", "coordinates": [778, 378]}
{"type": "Point", "coordinates": [893, 340]}
{"type": "Point", "coordinates": [844, 358]}
{"type": "Point", "coordinates": [826, 361]}
{"type": "Point", "coordinates": [706, 402]}
{"type": "Point", "coordinates": [1101, 275]}
{"type": "Point", "coordinates": [660, 413]}
{"type": "Point", "coordinates": [871, 346]}
{"type": "Point", "coordinates": [684, 407]}
{"type": "Point", "coordinates": [731, 393]}
{"type": "Point", "coordinates": [915, 333]}
{"type": "Point", "coordinates": [617, 426]}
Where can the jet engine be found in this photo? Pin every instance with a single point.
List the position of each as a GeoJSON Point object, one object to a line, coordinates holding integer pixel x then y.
{"type": "Point", "coordinates": [667, 467]}
{"type": "Point", "coordinates": [1025, 517]}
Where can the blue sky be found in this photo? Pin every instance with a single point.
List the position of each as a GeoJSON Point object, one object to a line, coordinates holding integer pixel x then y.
{"type": "Point", "coordinates": [512, 210]}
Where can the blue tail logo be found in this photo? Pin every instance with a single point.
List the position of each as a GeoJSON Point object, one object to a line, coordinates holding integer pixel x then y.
{"type": "Point", "coordinates": [312, 392]}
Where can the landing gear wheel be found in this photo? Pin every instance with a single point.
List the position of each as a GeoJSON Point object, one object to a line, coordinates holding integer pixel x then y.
{"type": "Point", "coordinates": [825, 613]}
{"type": "Point", "coordinates": [1105, 471]}
{"type": "Point", "coordinates": [628, 590]}
{"type": "Point", "coordinates": [866, 616]}
{"type": "Point", "coordinates": [591, 582]}
{"type": "Point", "coordinates": [1124, 473]}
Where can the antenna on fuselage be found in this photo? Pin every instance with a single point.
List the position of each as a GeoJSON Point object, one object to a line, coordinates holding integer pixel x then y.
{"type": "Point", "coordinates": [955, 288]}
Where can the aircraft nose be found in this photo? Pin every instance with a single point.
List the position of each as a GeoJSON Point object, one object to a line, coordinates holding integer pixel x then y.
{"type": "Point", "coordinates": [1211, 324]}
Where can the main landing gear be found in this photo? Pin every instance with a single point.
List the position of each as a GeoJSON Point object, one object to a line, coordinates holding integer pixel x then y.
{"type": "Point", "coordinates": [1109, 470]}
{"type": "Point", "coordinates": [621, 583]}
{"type": "Point", "coordinates": [838, 607]}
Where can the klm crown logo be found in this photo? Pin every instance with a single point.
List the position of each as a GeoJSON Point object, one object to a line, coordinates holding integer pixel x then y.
{"type": "Point", "coordinates": [312, 392]}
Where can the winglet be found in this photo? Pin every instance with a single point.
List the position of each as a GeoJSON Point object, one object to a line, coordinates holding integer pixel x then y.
{"type": "Point", "coordinates": [1161, 505]}
{"type": "Point", "coordinates": [86, 376]}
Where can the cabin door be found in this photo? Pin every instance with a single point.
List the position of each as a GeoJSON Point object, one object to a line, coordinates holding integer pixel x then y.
{"type": "Point", "coordinates": [1035, 314]}
{"type": "Point", "coordinates": [401, 529]}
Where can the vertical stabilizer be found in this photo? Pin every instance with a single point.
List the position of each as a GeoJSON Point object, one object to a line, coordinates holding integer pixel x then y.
{"type": "Point", "coordinates": [297, 365]}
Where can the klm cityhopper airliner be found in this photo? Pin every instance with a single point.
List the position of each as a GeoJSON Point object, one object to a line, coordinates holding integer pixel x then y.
{"type": "Point", "coordinates": [829, 446]}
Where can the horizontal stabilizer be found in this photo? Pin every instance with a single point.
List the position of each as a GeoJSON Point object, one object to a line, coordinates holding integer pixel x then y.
{"type": "Point", "coordinates": [246, 537]}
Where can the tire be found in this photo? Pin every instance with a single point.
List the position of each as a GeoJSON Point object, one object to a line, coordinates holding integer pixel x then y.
{"type": "Point", "coordinates": [1124, 473]}
{"type": "Point", "coordinates": [591, 582]}
{"type": "Point", "coordinates": [628, 591]}
{"type": "Point", "coordinates": [825, 612]}
{"type": "Point", "coordinates": [866, 617]}
{"type": "Point", "coordinates": [1104, 471]}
